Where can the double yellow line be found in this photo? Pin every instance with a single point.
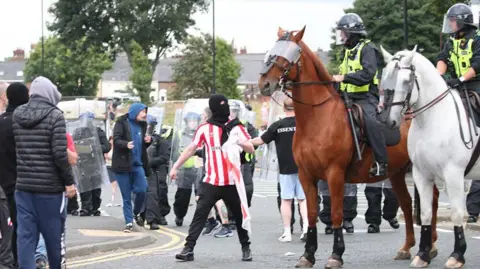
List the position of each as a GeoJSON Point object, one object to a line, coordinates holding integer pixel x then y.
{"type": "Point", "coordinates": [175, 243]}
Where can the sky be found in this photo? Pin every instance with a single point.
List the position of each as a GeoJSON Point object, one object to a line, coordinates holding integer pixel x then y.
{"type": "Point", "coordinates": [251, 23]}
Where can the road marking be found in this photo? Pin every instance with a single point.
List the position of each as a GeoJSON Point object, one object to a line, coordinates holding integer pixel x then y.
{"type": "Point", "coordinates": [174, 243]}
{"type": "Point", "coordinates": [259, 195]}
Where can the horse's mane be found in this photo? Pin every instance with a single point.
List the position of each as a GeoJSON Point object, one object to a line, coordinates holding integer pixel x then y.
{"type": "Point", "coordinates": [320, 69]}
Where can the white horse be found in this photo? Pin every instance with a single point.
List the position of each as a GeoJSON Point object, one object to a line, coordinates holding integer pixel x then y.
{"type": "Point", "coordinates": [440, 143]}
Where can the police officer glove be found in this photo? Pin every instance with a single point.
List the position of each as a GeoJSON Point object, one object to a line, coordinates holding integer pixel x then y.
{"type": "Point", "coordinates": [454, 83]}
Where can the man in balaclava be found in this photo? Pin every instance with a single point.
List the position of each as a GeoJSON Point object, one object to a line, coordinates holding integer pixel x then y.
{"type": "Point", "coordinates": [17, 95]}
{"type": "Point", "coordinates": [216, 184]}
{"type": "Point", "coordinates": [130, 161]}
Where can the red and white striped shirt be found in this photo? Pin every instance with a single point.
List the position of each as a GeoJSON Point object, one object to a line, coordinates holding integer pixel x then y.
{"type": "Point", "coordinates": [207, 134]}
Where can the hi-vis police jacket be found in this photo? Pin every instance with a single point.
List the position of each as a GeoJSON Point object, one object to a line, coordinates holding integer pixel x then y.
{"type": "Point", "coordinates": [462, 53]}
{"type": "Point", "coordinates": [360, 66]}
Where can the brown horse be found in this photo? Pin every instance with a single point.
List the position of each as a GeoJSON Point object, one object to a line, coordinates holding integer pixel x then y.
{"type": "Point", "coordinates": [323, 145]}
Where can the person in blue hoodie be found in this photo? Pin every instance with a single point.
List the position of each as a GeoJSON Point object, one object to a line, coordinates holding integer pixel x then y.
{"type": "Point", "coordinates": [130, 161]}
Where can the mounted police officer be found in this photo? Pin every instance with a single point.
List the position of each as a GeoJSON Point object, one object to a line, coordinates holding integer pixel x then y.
{"type": "Point", "coordinates": [461, 52]}
{"type": "Point", "coordinates": [461, 58]}
{"type": "Point", "coordinates": [359, 78]}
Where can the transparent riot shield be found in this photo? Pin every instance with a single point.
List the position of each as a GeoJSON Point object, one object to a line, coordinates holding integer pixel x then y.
{"type": "Point", "coordinates": [250, 116]}
{"type": "Point", "coordinates": [158, 113]}
{"type": "Point", "coordinates": [186, 123]}
{"type": "Point", "coordinates": [242, 113]}
{"type": "Point", "coordinates": [90, 171]}
{"type": "Point", "coordinates": [269, 169]}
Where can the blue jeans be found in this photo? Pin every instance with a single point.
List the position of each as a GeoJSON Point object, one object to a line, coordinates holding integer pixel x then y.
{"type": "Point", "coordinates": [41, 252]}
{"type": "Point", "coordinates": [40, 213]}
{"type": "Point", "coordinates": [136, 182]}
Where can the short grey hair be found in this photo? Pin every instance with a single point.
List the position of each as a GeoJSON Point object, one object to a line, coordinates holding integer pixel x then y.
{"type": "Point", "coordinates": [3, 87]}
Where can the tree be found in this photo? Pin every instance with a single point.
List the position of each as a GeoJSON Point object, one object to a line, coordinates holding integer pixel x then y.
{"type": "Point", "coordinates": [75, 70]}
{"type": "Point", "coordinates": [384, 22]}
{"type": "Point", "coordinates": [155, 25]}
{"type": "Point", "coordinates": [142, 76]}
{"type": "Point", "coordinates": [193, 73]}
{"type": "Point", "coordinates": [440, 7]}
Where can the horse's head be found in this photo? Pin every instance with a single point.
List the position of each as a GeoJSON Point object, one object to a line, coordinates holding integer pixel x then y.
{"type": "Point", "coordinates": [281, 62]}
{"type": "Point", "coordinates": [398, 81]}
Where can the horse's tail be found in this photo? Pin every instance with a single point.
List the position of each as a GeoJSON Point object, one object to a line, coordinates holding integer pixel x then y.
{"type": "Point", "coordinates": [416, 207]}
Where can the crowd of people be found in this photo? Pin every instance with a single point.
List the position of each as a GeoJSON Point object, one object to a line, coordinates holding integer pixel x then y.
{"type": "Point", "coordinates": [42, 181]}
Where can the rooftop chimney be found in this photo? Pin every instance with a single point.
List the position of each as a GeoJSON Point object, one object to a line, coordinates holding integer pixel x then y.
{"type": "Point", "coordinates": [18, 54]}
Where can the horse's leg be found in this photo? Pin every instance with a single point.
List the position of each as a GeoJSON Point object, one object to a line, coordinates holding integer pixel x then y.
{"type": "Point", "coordinates": [434, 251]}
{"type": "Point", "coordinates": [454, 181]}
{"type": "Point", "coordinates": [336, 183]}
{"type": "Point", "coordinates": [425, 189]}
{"type": "Point", "coordinates": [310, 187]}
{"type": "Point", "coordinates": [399, 186]}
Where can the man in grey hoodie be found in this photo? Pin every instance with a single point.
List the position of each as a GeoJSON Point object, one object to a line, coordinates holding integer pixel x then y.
{"type": "Point", "coordinates": [44, 176]}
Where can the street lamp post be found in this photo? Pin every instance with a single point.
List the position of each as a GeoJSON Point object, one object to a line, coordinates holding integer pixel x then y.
{"type": "Point", "coordinates": [43, 44]}
{"type": "Point", "coordinates": [214, 47]}
{"type": "Point", "coordinates": [405, 25]}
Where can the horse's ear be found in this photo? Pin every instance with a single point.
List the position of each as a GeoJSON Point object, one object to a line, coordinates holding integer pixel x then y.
{"type": "Point", "coordinates": [409, 58]}
{"type": "Point", "coordinates": [280, 32]}
{"type": "Point", "coordinates": [298, 37]}
{"type": "Point", "coordinates": [386, 55]}
{"type": "Point", "coordinates": [414, 49]}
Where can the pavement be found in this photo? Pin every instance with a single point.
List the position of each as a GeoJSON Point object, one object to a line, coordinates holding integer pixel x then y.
{"type": "Point", "coordinates": [363, 250]}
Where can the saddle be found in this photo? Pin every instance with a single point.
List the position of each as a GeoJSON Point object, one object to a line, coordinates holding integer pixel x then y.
{"type": "Point", "coordinates": [392, 136]}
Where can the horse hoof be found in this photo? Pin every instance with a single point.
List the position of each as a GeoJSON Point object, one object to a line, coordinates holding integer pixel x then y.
{"type": "Point", "coordinates": [304, 263]}
{"type": "Point", "coordinates": [418, 263]}
{"type": "Point", "coordinates": [333, 264]}
{"type": "Point", "coordinates": [433, 253]}
{"type": "Point", "coordinates": [452, 263]}
{"type": "Point", "coordinates": [403, 255]}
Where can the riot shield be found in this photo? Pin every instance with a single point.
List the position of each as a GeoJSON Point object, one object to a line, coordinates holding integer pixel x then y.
{"type": "Point", "coordinates": [158, 113]}
{"type": "Point", "coordinates": [186, 124]}
{"type": "Point", "coordinates": [269, 169]}
{"type": "Point", "coordinates": [90, 171]}
{"type": "Point", "coordinates": [250, 116]}
{"type": "Point", "coordinates": [242, 113]}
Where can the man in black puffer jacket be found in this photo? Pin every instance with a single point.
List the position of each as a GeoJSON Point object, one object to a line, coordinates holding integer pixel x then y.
{"type": "Point", "coordinates": [43, 174]}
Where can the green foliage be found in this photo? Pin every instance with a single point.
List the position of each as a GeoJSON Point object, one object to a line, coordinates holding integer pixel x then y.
{"type": "Point", "coordinates": [155, 25]}
{"type": "Point", "coordinates": [193, 73]}
{"type": "Point", "coordinates": [75, 69]}
{"type": "Point", "coordinates": [142, 75]}
{"type": "Point", "coordinates": [440, 7]}
{"type": "Point", "coordinates": [384, 22]}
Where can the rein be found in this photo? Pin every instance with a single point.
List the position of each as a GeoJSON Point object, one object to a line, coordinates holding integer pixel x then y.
{"type": "Point", "coordinates": [412, 114]}
{"type": "Point", "coordinates": [286, 84]}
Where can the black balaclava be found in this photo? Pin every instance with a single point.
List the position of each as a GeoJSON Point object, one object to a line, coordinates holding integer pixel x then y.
{"type": "Point", "coordinates": [218, 104]}
{"type": "Point", "coordinates": [17, 95]}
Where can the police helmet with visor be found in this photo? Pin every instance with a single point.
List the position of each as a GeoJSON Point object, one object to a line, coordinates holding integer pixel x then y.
{"type": "Point", "coordinates": [350, 24]}
{"type": "Point", "coordinates": [458, 17]}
